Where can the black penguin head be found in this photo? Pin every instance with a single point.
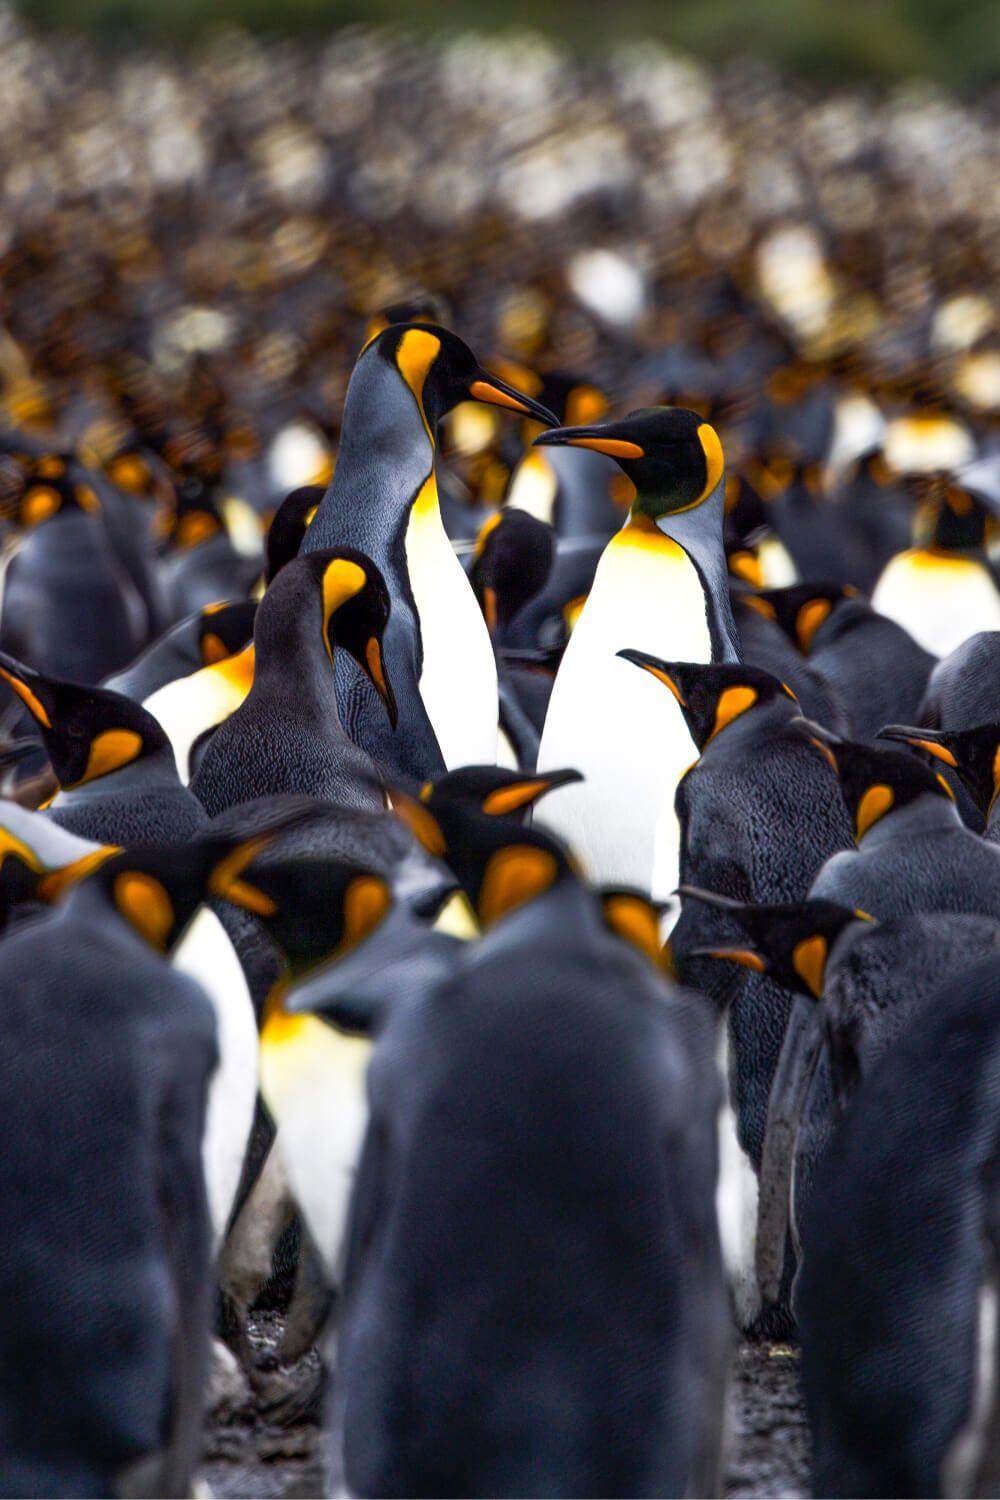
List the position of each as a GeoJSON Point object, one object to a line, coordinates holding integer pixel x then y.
{"type": "Point", "coordinates": [353, 610]}
{"type": "Point", "coordinates": [712, 695]}
{"type": "Point", "coordinates": [158, 890]}
{"type": "Point", "coordinates": [289, 525]}
{"type": "Point", "coordinates": [950, 518]}
{"type": "Point", "coordinates": [88, 732]}
{"type": "Point", "coordinates": [500, 865]}
{"type": "Point", "coordinates": [672, 456]}
{"type": "Point", "coordinates": [315, 908]}
{"type": "Point", "coordinates": [801, 608]}
{"type": "Point", "coordinates": [634, 918]}
{"type": "Point", "coordinates": [493, 791]}
{"type": "Point", "coordinates": [513, 559]}
{"type": "Point", "coordinates": [50, 490]}
{"type": "Point", "coordinates": [195, 518]}
{"type": "Point", "coordinates": [440, 370]}
{"type": "Point", "coordinates": [874, 782]}
{"type": "Point", "coordinates": [790, 942]}
{"type": "Point", "coordinates": [973, 753]}
{"type": "Point", "coordinates": [225, 629]}
{"type": "Point", "coordinates": [419, 307]}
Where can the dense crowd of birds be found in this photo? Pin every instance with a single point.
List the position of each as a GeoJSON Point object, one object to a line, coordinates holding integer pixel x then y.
{"type": "Point", "coordinates": [370, 947]}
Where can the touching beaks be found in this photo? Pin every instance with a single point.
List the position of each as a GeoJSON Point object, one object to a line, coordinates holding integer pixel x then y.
{"type": "Point", "coordinates": [493, 391]}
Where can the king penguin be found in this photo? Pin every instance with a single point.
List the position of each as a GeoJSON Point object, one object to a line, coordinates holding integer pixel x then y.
{"type": "Point", "coordinates": [383, 500]}
{"type": "Point", "coordinates": [286, 736]}
{"type": "Point", "coordinates": [661, 587]}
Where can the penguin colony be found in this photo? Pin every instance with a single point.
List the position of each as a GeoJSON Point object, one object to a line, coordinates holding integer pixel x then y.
{"type": "Point", "coordinates": [499, 850]}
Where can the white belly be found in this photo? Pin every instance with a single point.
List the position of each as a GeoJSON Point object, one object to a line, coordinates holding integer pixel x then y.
{"type": "Point", "coordinates": [458, 680]}
{"type": "Point", "coordinates": [619, 726]}
{"type": "Point", "coordinates": [208, 956]}
{"type": "Point", "coordinates": [313, 1082]}
{"type": "Point", "coordinates": [941, 601]}
{"type": "Point", "coordinates": [188, 706]}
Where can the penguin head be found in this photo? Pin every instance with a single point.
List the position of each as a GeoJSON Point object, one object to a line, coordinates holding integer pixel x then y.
{"type": "Point", "coordinates": [289, 525]}
{"type": "Point", "coordinates": [419, 307]}
{"type": "Point", "coordinates": [513, 558]}
{"type": "Point", "coordinates": [315, 908]}
{"type": "Point", "coordinates": [949, 518]}
{"type": "Point", "coordinates": [49, 490]}
{"type": "Point", "coordinates": [973, 753]}
{"type": "Point", "coordinates": [501, 866]}
{"type": "Point", "coordinates": [874, 782]}
{"type": "Point", "coordinates": [354, 611]}
{"type": "Point", "coordinates": [633, 917]}
{"type": "Point", "coordinates": [672, 456]}
{"type": "Point", "coordinates": [440, 370]}
{"type": "Point", "coordinates": [88, 732]}
{"type": "Point", "coordinates": [493, 791]}
{"type": "Point", "coordinates": [801, 608]}
{"type": "Point", "coordinates": [224, 629]}
{"type": "Point", "coordinates": [158, 890]}
{"type": "Point", "coordinates": [712, 695]}
{"type": "Point", "coordinates": [789, 942]}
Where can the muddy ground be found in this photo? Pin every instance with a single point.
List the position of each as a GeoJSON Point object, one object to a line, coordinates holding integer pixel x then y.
{"type": "Point", "coordinates": [249, 1454]}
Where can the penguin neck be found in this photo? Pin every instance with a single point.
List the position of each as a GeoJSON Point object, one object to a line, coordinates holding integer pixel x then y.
{"type": "Point", "coordinates": [762, 721]}
{"type": "Point", "coordinates": [387, 449]}
{"type": "Point", "coordinates": [155, 770]}
{"type": "Point", "coordinates": [291, 662]}
{"type": "Point", "coordinates": [699, 531]}
{"type": "Point", "coordinates": [928, 813]}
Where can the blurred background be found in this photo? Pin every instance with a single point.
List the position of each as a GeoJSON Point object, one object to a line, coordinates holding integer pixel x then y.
{"type": "Point", "coordinates": [784, 214]}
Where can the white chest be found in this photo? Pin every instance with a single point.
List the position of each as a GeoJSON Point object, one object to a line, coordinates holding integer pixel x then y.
{"type": "Point", "coordinates": [615, 723]}
{"type": "Point", "coordinates": [458, 678]}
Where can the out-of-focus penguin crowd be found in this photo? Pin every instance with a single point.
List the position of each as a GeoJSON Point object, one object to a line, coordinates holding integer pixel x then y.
{"type": "Point", "coordinates": [500, 752]}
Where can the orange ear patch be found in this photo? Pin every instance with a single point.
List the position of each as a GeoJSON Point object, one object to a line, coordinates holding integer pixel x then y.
{"type": "Point", "coordinates": [636, 921]}
{"type": "Point", "coordinates": [808, 620]}
{"type": "Point", "coordinates": [366, 902]}
{"type": "Point", "coordinates": [109, 751]}
{"type": "Point", "coordinates": [514, 875]}
{"type": "Point", "coordinates": [809, 963]}
{"type": "Point", "coordinates": [144, 903]}
{"type": "Point", "coordinates": [875, 803]}
{"type": "Point", "coordinates": [733, 701]}
{"type": "Point", "coordinates": [714, 458]}
{"type": "Point", "coordinates": [421, 823]}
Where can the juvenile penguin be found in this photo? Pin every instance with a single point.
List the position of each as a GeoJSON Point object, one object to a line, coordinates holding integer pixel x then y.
{"type": "Point", "coordinates": [897, 1295]}
{"type": "Point", "coordinates": [383, 499]}
{"type": "Point", "coordinates": [287, 735]}
{"type": "Point", "coordinates": [556, 1019]}
{"type": "Point", "coordinates": [118, 782]}
{"type": "Point", "coordinates": [661, 587]}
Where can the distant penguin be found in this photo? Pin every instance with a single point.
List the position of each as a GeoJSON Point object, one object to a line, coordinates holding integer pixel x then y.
{"type": "Point", "coordinates": [764, 644]}
{"type": "Point", "coordinates": [941, 590]}
{"type": "Point", "coordinates": [841, 636]}
{"type": "Point", "coordinates": [202, 565]}
{"type": "Point", "coordinates": [211, 635]}
{"type": "Point", "coordinates": [383, 500]}
{"type": "Point", "coordinates": [913, 851]}
{"type": "Point", "coordinates": [68, 605]}
{"type": "Point", "coordinates": [289, 525]}
{"type": "Point", "coordinates": [286, 736]}
{"type": "Point", "coordinates": [897, 1296]}
{"type": "Point", "coordinates": [661, 587]}
{"type": "Point", "coordinates": [118, 782]}
{"type": "Point", "coordinates": [555, 1018]}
